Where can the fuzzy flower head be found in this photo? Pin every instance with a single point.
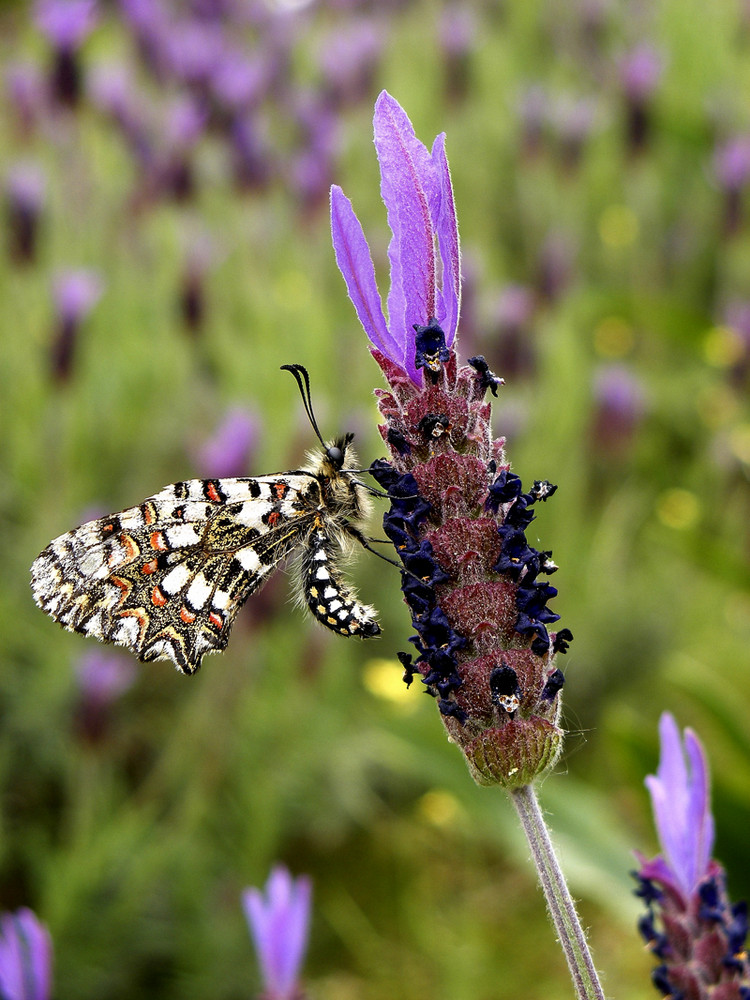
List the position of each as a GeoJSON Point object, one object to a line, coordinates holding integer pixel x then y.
{"type": "Point", "coordinates": [25, 957]}
{"type": "Point", "coordinates": [424, 248]}
{"type": "Point", "coordinates": [279, 918]}
{"type": "Point", "coordinates": [471, 579]}
{"type": "Point", "coordinates": [692, 928]}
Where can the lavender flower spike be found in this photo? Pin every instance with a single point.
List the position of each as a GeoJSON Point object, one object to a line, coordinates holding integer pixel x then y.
{"type": "Point", "coordinates": [418, 195]}
{"type": "Point", "coordinates": [25, 957]}
{"type": "Point", "coordinates": [278, 922]}
{"type": "Point", "coordinates": [682, 811]}
{"type": "Point", "coordinates": [695, 932]}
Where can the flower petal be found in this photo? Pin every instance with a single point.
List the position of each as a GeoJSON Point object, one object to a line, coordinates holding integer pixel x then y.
{"type": "Point", "coordinates": [408, 186]}
{"type": "Point", "coordinates": [355, 263]}
{"type": "Point", "coordinates": [446, 226]}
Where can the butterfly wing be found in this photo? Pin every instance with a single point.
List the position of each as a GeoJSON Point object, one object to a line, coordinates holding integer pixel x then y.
{"type": "Point", "coordinates": [167, 578]}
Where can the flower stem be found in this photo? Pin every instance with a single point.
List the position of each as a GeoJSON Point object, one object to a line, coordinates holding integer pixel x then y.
{"type": "Point", "coordinates": [560, 903]}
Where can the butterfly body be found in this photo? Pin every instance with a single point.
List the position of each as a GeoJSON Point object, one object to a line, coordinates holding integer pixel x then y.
{"type": "Point", "coordinates": [166, 578]}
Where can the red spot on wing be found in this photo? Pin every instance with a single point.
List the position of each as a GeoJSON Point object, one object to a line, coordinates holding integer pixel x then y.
{"type": "Point", "coordinates": [158, 597]}
{"type": "Point", "coordinates": [187, 616]}
{"type": "Point", "coordinates": [149, 514]}
{"type": "Point", "coordinates": [212, 493]}
{"type": "Point", "coordinates": [273, 518]}
{"type": "Point", "coordinates": [158, 541]}
{"type": "Point", "coordinates": [216, 620]}
{"type": "Point", "coordinates": [150, 567]}
{"type": "Point", "coordinates": [280, 489]}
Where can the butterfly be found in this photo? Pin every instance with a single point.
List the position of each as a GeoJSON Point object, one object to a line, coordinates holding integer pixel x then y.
{"type": "Point", "coordinates": [166, 578]}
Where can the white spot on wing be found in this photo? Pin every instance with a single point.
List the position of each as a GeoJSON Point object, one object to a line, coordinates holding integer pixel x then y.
{"type": "Point", "coordinates": [198, 592]}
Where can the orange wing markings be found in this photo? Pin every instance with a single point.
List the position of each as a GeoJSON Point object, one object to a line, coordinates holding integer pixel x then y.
{"type": "Point", "coordinates": [158, 597]}
{"type": "Point", "coordinates": [158, 541]}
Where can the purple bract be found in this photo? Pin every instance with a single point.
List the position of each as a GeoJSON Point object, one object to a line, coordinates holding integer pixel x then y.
{"type": "Point", "coordinates": [424, 249]}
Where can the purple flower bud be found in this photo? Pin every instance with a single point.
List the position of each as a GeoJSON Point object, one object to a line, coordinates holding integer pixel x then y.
{"type": "Point", "coordinates": [25, 957]}
{"type": "Point", "coordinates": [697, 935]}
{"type": "Point", "coordinates": [24, 191]}
{"type": "Point", "coordinates": [417, 191]}
{"type": "Point", "coordinates": [279, 920]}
{"type": "Point", "coordinates": [458, 516]}
{"type": "Point", "coordinates": [228, 452]}
{"type": "Point", "coordinates": [75, 293]}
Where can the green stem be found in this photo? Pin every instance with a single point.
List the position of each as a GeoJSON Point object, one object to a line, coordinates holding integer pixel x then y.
{"type": "Point", "coordinates": [560, 903]}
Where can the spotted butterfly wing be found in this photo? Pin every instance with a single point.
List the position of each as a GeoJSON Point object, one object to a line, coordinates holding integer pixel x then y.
{"type": "Point", "coordinates": [167, 578]}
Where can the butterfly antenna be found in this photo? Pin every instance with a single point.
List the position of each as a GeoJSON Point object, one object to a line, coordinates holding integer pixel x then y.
{"type": "Point", "coordinates": [303, 382]}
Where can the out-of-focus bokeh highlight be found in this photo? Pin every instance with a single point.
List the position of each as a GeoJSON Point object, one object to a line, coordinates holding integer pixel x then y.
{"type": "Point", "coordinates": [165, 174]}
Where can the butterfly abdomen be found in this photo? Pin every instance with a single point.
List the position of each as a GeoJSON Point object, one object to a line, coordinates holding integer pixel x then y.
{"type": "Point", "coordinates": [332, 602]}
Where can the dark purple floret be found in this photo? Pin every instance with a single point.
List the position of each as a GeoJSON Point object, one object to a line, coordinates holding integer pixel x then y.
{"type": "Point", "coordinates": [487, 378]}
{"type": "Point", "coordinates": [562, 640]}
{"type": "Point", "coordinates": [505, 488]}
{"type": "Point", "coordinates": [554, 684]}
{"type": "Point", "coordinates": [430, 350]}
{"type": "Point", "coordinates": [397, 440]}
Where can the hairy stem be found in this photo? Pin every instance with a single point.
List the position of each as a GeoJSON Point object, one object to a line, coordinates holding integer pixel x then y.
{"type": "Point", "coordinates": [560, 903]}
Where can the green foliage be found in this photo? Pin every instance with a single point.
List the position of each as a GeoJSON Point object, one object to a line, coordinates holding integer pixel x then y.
{"type": "Point", "coordinates": [135, 848]}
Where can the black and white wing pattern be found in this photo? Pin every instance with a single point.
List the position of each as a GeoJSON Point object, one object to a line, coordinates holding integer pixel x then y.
{"type": "Point", "coordinates": [167, 578]}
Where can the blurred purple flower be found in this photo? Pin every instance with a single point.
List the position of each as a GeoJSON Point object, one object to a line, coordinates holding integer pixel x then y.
{"type": "Point", "coordinates": [618, 409]}
{"type": "Point", "coordinates": [279, 919]}
{"type": "Point", "coordinates": [533, 108]}
{"type": "Point", "coordinates": [26, 92]}
{"type": "Point", "coordinates": [349, 59]}
{"type": "Point", "coordinates": [25, 957]}
{"type": "Point", "coordinates": [416, 188]}
{"type": "Point", "coordinates": [239, 80]}
{"type": "Point", "coordinates": [457, 37]}
{"type": "Point", "coordinates": [24, 194]}
{"type": "Point", "coordinates": [228, 452]}
{"type": "Point", "coordinates": [510, 346]}
{"type": "Point", "coordinates": [690, 925]}
{"type": "Point", "coordinates": [102, 679]}
{"type": "Point", "coordinates": [573, 119]}
{"type": "Point", "coordinates": [65, 23]}
{"type": "Point", "coordinates": [682, 809]}
{"type": "Point", "coordinates": [731, 163]}
{"type": "Point", "coordinates": [74, 293]}
{"type": "Point", "coordinates": [640, 72]}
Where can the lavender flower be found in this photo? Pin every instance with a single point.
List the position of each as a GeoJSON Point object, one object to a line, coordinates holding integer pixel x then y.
{"type": "Point", "coordinates": [691, 927]}
{"type": "Point", "coordinates": [25, 957]}
{"type": "Point", "coordinates": [66, 24]}
{"type": "Point", "coordinates": [24, 192]}
{"type": "Point", "coordinates": [640, 72]}
{"type": "Point", "coordinates": [75, 293]}
{"type": "Point", "coordinates": [227, 452]}
{"type": "Point", "coordinates": [278, 922]}
{"type": "Point", "coordinates": [102, 678]}
{"type": "Point", "coordinates": [458, 514]}
{"type": "Point", "coordinates": [731, 165]}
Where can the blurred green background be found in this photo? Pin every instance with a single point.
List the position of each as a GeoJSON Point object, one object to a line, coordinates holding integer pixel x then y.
{"type": "Point", "coordinates": [600, 157]}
